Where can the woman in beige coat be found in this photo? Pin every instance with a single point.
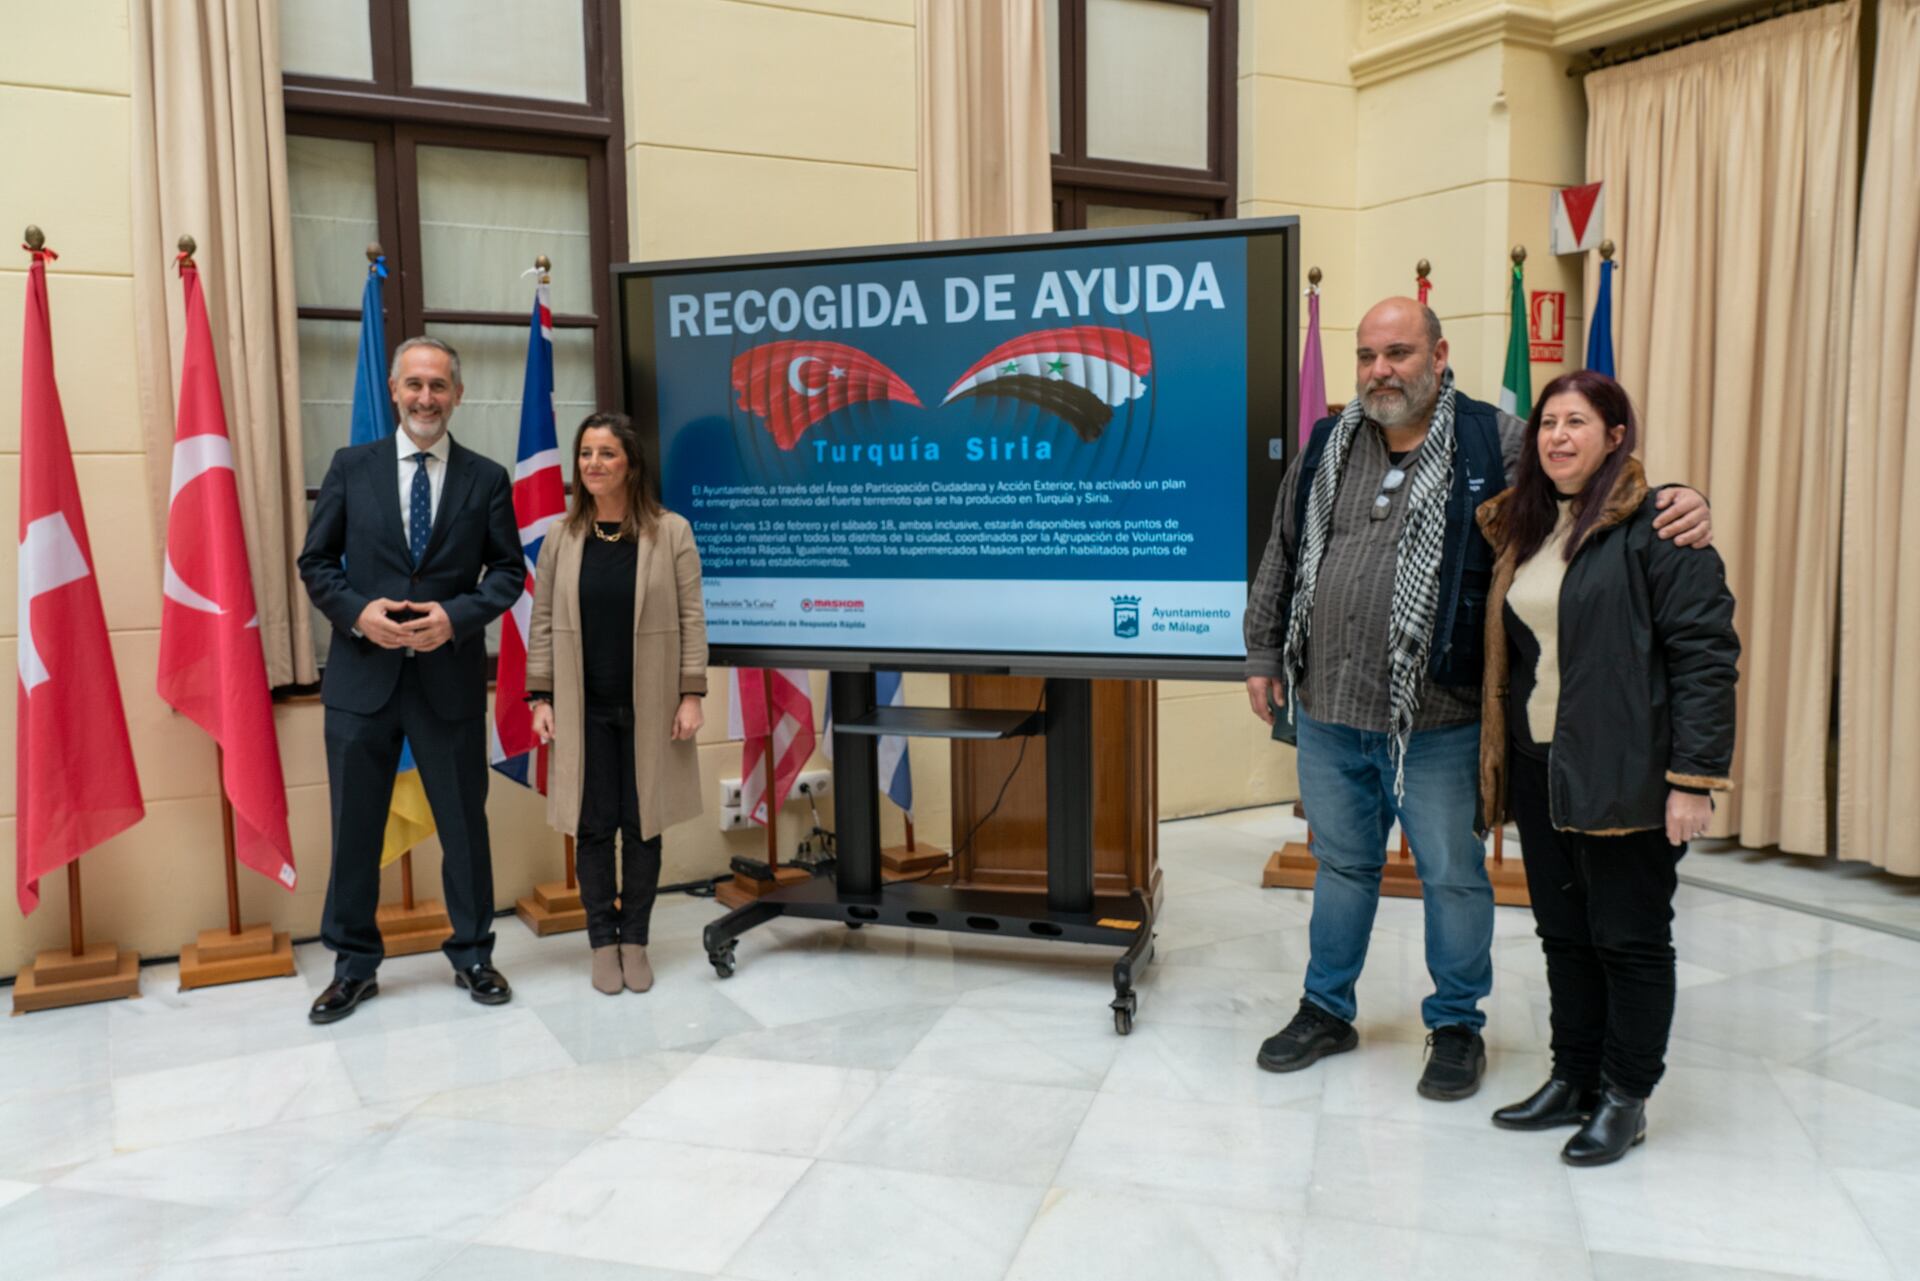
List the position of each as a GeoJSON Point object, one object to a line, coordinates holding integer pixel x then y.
{"type": "Point", "coordinates": [616, 668]}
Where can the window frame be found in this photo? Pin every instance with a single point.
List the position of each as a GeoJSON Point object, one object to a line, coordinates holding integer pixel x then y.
{"type": "Point", "coordinates": [398, 117]}
{"type": "Point", "coordinates": [1080, 179]}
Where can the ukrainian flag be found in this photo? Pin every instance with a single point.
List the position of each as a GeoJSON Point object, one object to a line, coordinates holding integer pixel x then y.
{"type": "Point", "coordinates": [409, 817]}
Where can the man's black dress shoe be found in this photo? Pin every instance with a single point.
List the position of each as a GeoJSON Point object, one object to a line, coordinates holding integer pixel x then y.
{"type": "Point", "coordinates": [339, 999]}
{"type": "Point", "coordinates": [1619, 1123]}
{"type": "Point", "coordinates": [1553, 1104]}
{"type": "Point", "coordinates": [487, 985]}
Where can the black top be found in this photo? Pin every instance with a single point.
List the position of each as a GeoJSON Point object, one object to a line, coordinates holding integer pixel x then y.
{"type": "Point", "coordinates": [606, 618]}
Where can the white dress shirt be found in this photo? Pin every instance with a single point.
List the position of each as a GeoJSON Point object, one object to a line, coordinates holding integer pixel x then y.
{"type": "Point", "coordinates": [436, 466]}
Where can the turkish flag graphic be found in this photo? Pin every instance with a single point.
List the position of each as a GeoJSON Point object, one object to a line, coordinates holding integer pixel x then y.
{"type": "Point", "coordinates": [73, 760]}
{"type": "Point", "coordinates": [211, 666]}
{"type": "Point", "coordinates": [794, 383]}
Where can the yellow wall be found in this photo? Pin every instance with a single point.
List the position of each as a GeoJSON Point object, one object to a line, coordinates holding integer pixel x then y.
{"type": "Point", "coordinates": [1396, 129]}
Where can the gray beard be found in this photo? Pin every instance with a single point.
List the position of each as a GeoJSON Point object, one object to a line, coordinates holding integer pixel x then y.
{"type": "Point", "coordinates": [421, 438]}
{"type": "Point", "coordinates": [1414, 405]}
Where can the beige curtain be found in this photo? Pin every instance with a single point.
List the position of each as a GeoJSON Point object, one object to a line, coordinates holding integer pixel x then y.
{"type": "Point", "coordinates": [985, 167]}
{"type": "Point", "coordinates": [1730, 169]}
{"type": "Point", "coordinates": [1879, 801]}
{"type": "Point", "coordinates": [210, 161]}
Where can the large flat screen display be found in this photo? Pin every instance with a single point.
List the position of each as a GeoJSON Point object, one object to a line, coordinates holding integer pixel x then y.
{"type": "Point", "coordinates": [1049, 455]}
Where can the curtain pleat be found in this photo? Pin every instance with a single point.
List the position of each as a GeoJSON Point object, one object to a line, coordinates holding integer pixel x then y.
{"type": "Point", "coordinates": [1731, 169]}
{"type": "Point", "coordinates": [1879, 776]}
{"type": "Point", "coordinates": [985, 163]}
{"type": "Point", "coordinates": [209, 160]}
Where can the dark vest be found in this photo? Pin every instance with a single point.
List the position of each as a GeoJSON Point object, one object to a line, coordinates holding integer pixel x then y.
{"type": "Point", "coordinates": [1466, 561]}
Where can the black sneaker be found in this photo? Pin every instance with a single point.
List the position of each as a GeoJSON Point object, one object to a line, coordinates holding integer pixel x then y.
{"type": "Point", "coordinates": [1456, 1056]}
{"type": "Point", "coordinates": [1311, 1036]}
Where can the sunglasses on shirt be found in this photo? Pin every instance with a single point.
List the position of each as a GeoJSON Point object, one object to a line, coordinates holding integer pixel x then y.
{"type": "Point", "coordinates": [1389, 485]}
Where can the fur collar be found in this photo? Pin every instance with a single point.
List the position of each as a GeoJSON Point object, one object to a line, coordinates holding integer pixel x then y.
{"type": "Point", "coordinates": [1629, 492]}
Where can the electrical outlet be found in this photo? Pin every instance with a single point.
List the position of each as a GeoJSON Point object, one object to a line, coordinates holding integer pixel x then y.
{"type": "Point", "coordinates": [815, 783]}
{"type": "Point", "coordinates": [729, 793]}
{"type": "Point", "coordinates": [733, 818]}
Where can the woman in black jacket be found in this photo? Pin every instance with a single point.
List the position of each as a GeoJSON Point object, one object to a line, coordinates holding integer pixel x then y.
{"type": "Point", "coordinates": [1607, 722]}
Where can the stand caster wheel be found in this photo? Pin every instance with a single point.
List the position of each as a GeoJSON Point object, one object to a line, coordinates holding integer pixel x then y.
{"type": "Point", "coordinates": [1124, 1006]}
{"type": "Point", "coordinates": [856, 925]}
{"type": "Point", "coordinates": [723, 963]}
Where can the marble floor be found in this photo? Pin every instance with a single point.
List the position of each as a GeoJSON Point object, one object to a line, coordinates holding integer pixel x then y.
{"type": "Point", "coordinates": [885, 1103]}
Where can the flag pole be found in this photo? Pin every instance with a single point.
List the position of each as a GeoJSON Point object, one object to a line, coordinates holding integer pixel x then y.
{"type": "Point", "coordinates": [772, 804]}
{"type": "Point", "coordinates": [76, 931]}
{"type": "Point", "coordinates": [226, 834]}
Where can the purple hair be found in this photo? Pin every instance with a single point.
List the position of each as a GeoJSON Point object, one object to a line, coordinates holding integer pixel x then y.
{"type": "Point", "coordinates": [1534, 508]}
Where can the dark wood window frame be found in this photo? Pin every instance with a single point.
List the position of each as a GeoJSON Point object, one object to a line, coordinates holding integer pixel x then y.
{"type": "Point", "coordinates": [397, 117]}
{"type": "Point", "coordinates": [1080, 180]}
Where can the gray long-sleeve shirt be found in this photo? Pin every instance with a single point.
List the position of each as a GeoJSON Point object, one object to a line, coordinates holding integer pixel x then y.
{"type": "Point", "coordinates": [1347, 676]}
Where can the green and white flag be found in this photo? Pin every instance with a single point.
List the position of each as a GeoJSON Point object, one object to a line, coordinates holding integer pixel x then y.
{"type": "Point", "coordinates": [1516, 384]}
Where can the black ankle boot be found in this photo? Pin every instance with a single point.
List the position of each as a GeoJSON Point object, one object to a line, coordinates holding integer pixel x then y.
{"type": "Point", "coordinates": [1553, 1104]}
{"type": "Point", "coordinates": [1619, 1123]}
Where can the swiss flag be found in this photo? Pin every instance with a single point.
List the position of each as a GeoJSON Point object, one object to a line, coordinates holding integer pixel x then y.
{"type": "Point", "coordinates": [211, 666]}
{"type": "Point", "coordinates": [73, 761]}
{"type": "Point", "coordinates": [794, 383]}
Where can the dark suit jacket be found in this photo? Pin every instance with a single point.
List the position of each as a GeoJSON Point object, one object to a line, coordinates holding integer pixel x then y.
{"type": "Point", "coordinates": [356, 551]}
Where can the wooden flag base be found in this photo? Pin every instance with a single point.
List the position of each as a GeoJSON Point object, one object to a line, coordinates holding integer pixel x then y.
{"type": "Point", "coordinates": [1293, 867]}
{"type": "Point", "coordinates": [922, 862]}
{"type": "Point", "coordinates": [405, 931]}
{"type": "Point", "coordinates": [552, 909]}
{"type": "Point", "coordinates": [57, 979]}
{"type": "Point", "coordinates": [742, 890]}
{"type": "Point", "coordinates": [221, 956]}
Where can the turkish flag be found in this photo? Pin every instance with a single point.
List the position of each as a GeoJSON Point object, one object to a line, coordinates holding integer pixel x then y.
{"type": "Point", "coordinates": [795, 383]}
{"type": "Point", "coordinates": [211, 666]}
{"type": "Point", "coordinates": [787, 719]}
{"type": "Point", "coordinates": [73, 760]}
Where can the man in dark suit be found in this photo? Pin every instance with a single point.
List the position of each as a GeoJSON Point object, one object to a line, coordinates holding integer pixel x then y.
{"type": "Point", "coordinates": [411, 552]}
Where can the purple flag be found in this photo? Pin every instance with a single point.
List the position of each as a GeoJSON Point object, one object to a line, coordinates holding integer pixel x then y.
{"type": "Point", "coordinates": [1313, 372]}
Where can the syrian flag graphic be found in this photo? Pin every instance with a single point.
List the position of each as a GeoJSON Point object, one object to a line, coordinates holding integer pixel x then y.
{"type": "Point", "coordinates": [794, 383]}
{"type": "Point", "coordinates": [1079, 375]}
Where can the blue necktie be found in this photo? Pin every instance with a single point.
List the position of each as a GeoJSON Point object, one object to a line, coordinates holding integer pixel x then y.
{"type": "Point", "coordinates": [420, 508]}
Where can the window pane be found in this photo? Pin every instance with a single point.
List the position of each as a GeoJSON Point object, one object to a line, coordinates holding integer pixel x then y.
{"type": "Point", "coordinates": [493, 365]}
{"type": "Point", "coordinates": [331, 191]}
{"type": "Point", "coordinates": [1124, 216]}
{"type": "Point", "coordinates": [326, 38]}
{"type": "Point", "coordinates": [329, 350]}
{"type": "Point", "coordinates": [1053, 75]}
{"type": "Point", "coordinates": [1147, 82]}
{"type": "Point", "coordinates": [524, 48]}
{"type": "Point", "coordinates": [486, 215]}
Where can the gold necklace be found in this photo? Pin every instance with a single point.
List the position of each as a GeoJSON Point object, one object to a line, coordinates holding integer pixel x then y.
{"type": "Point", "coordinates": [605, 537]}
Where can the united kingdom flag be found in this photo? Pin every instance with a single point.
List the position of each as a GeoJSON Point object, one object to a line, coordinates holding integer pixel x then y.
{"type": "Point", "coordinates": [539, 499]}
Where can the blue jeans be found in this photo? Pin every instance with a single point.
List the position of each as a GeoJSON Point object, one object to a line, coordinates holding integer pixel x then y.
{"type": "Point", "coordinates": [1346, 784]}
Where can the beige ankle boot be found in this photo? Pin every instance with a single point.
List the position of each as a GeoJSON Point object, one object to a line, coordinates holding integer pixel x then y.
{"type": "Point", "coordinates": [606, 969]}
{"type": "Point", "coordinates": [633, 965]}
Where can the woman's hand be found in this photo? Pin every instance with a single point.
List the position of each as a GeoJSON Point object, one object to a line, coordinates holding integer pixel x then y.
{"type": "Point", "coordinates": [543, 721]}
{"type": "Point", "coordinates": [1687, 816]}
{"type": "Point", "coordinates": [688, 718]}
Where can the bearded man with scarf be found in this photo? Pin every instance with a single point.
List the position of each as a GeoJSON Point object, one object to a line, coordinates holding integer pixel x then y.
{"type": "Point", "coordinates": [1364, 635]}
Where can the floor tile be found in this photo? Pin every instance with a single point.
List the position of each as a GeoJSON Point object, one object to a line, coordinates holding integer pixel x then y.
{"type": "Point", "coordinates": [156, 1108]}
{"type": "Point", "coordinates": [872, 1039]}
{"type": "Point", "coordinates": [1251, 1158]}
{"type": "Point", "coordinates": [1097, 1236]}
{"type": "Point", "coordinates": [1850, 1126]}
{"type": "Point", "coordinates": [1022, 1046]}
{"type": "Point", "coordinates": [1339, 1250]}
{"type": "Point", "coordinates": [436, 1175]}
{"type": "Point", "coordinates": [761, 1106]}
{"type": "Point", "coordinates": [448, 1056]}
{"type": "Point", "coordinates": [591, 1098]}
{"type": "Point", "coordinates": [860, 1223]}
{"type": "Point", "coordinates": [1503, 1186]}
{"type": "Point", "coordinates": [503, 1263]}
{"type": "Point", "coordinates": [666, 1205]}
{"type": "Point", "coordinates": [988, 1130]}
{"type": "Point", "coordinates": [1787, 1215]}
{"type": "Point", "coordinates": [1887, 1201]}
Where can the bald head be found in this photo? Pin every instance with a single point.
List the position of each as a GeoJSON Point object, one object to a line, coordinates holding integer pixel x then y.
{"type": "Point", "coordinates": [1400, 356]}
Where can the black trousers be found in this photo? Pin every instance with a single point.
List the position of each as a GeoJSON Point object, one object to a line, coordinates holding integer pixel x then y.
{"type": "Point", "coordinates": [363, 751]}
{"type": "Point", "coordinates": [1603, 907]}
{"type": "Point", "coordinates": [610, 804]}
